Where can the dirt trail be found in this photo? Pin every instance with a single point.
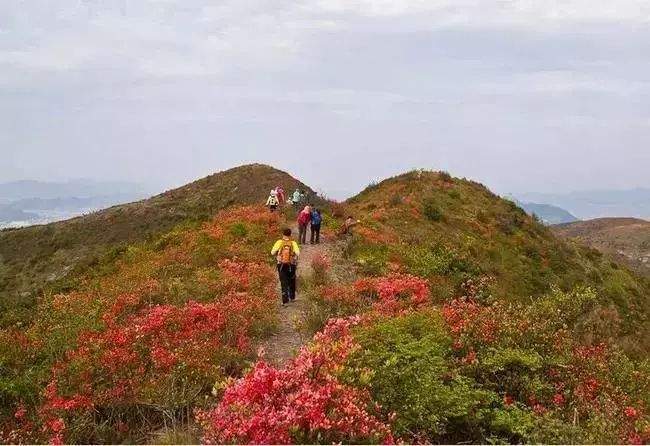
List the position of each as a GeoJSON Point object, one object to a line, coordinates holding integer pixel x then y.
{"type": "Point", "coordinates": [282, 345]}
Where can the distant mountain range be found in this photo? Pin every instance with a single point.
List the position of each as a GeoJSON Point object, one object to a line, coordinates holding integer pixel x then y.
{"type": "Point", "coordinates": [592, 204]}
{"type": "Point", "coordinates": [25, 203]}
{"type": "Point", "coordinates": [549, 214]}
{"type": "Point", "coordinates": [18, 190]}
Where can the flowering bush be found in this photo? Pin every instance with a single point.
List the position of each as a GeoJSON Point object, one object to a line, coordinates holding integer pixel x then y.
{"type": "Point", "coordinates": [163, 355]}
{"type": "Point", "coordinates": [395, 293]}
{"type": "Point", "coordinates": [343, 300]}
{"type": "Point", "coordinates": [470, 322]}
{"type": "Point", "coordinates": [142, 341]}
{"type": "Point", "coordinates": [303, 403]}
{"type": "Point", "coordinates": [537, 364]}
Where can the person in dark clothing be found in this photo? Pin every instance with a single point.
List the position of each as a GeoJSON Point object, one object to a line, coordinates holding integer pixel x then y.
{"type": "Point", "coordinates": [286, 252]}
{"type": "Point", "coordinates": [316, 220]}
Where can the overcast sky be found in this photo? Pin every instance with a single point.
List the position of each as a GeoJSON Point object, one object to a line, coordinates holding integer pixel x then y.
{"type": "Point", "coordinates": [529, 95]}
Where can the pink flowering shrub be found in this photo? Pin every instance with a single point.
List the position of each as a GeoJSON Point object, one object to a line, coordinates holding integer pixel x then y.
{"type": "Point", "coordinates": [305, 402]}
{"type": "Point", "coordinates": [142, 345]}
{"type": "Point", "coordinates": [395, 293]}
{"type": "Point", "coordinates": [147, 358]}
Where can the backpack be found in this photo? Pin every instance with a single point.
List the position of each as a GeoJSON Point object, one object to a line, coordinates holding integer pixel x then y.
{"type": "Point", "coordinates": [285, 254]}
{"type": "Point", "coordinates": [316, 218]}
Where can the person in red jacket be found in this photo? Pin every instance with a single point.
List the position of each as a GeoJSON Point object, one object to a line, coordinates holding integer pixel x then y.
{"type": "Point", "coordinates": [303, 221]}
{"type": "Point", "coordinates": [280, 191]}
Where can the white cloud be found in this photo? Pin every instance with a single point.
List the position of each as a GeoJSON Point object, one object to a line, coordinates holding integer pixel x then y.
{"type": "Point", "coordinates": [459, 81]}
{"type": "Point", "coordinates": [482, 13]}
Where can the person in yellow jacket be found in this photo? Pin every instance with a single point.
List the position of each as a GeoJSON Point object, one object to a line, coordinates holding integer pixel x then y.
{"type": "Point", "coordinates": [286, 252]}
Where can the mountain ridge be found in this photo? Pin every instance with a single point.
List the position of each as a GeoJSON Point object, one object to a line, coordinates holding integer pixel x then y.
{"type": "Point", "coordinates": [548, 213]}
{"type": "Point", "coordinates": [31, 257]}
{"type": "Point", "coordinates": [598, 203]}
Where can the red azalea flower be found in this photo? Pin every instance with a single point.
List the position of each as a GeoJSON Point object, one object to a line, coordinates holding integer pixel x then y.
{"type": "Point", "coordinates": [631, 412]}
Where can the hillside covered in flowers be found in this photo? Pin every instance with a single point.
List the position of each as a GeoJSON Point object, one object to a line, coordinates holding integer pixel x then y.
{"type": "Point", "coordinates": [448, 316]}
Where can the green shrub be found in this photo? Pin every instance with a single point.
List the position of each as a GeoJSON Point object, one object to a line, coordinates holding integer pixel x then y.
{"type": "Point", "coordinates": [454, 194]}
{"type": "Point", "coordinates": [413, 376]}
{"type": "Point", "coordinates": [509, 223]}
{"type": "Point", "coordinates": [513, 423]}
{"type": "Point", "coordinates": [370, 260]}
{"type": "Point", "coordinates": [431, 210]}
{"type": "Point", "coordinates": [395, 200]}
{"type": "Point", "coordinates": [239, 230]}
{"type": "Point", "coordinates": [427, 261]}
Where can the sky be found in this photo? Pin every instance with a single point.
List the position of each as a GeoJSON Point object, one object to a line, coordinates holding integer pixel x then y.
{"type": "Point", "coordinates": [522, 95]}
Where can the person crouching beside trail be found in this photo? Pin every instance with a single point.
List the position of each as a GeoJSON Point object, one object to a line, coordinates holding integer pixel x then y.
{"type": "Point", "coordinates": [286, 252]}
{"type": "Point", "coordinates": [349, 223]}
{"type": "Point", "coordinates": [272, 202]}
{"type": "Point", "coordinates": [316, 220]}
{"type": "Point", "coordinates": [304, 218]}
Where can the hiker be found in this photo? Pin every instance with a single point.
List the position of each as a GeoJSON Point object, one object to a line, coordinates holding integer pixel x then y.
{"type": "Point", "coordinates": [296, 198]}
{"type": "Point", "coordinates": [280, 192]}
{"type": "Point", "coordinates": [316, 220]}
{"type": "Point", "coordinates": [272, 202]}
{"type": "Point", "coordinates": [349, 223]}
{"type": "Point", "coordinates": [304, 197]}
{"type": "Point", "coordinates": [286, 252]}
{"type": "Point", "coordinates": [304, 218]}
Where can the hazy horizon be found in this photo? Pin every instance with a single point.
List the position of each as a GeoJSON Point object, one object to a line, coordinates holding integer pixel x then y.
{"type": "Point", "coordinates": [522, 96]}
{"type": "Point", "coordinates": [155, 188]}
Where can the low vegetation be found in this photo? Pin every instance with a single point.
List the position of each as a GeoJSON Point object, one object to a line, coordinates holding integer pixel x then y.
{"type": "Point", "coordinates": [449, 316]}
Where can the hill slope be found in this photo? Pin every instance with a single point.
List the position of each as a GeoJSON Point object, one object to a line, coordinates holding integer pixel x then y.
{"type": "Point", "coordinates": [32, 257]}
{"type": "Point", "coordinates": [626, 239]}
{"type": "Point", "coordinates": [451, 230]}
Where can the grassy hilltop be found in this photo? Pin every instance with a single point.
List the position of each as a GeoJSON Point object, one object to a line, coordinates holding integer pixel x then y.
{"type": "Point", "coordinates": [449, 230]}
